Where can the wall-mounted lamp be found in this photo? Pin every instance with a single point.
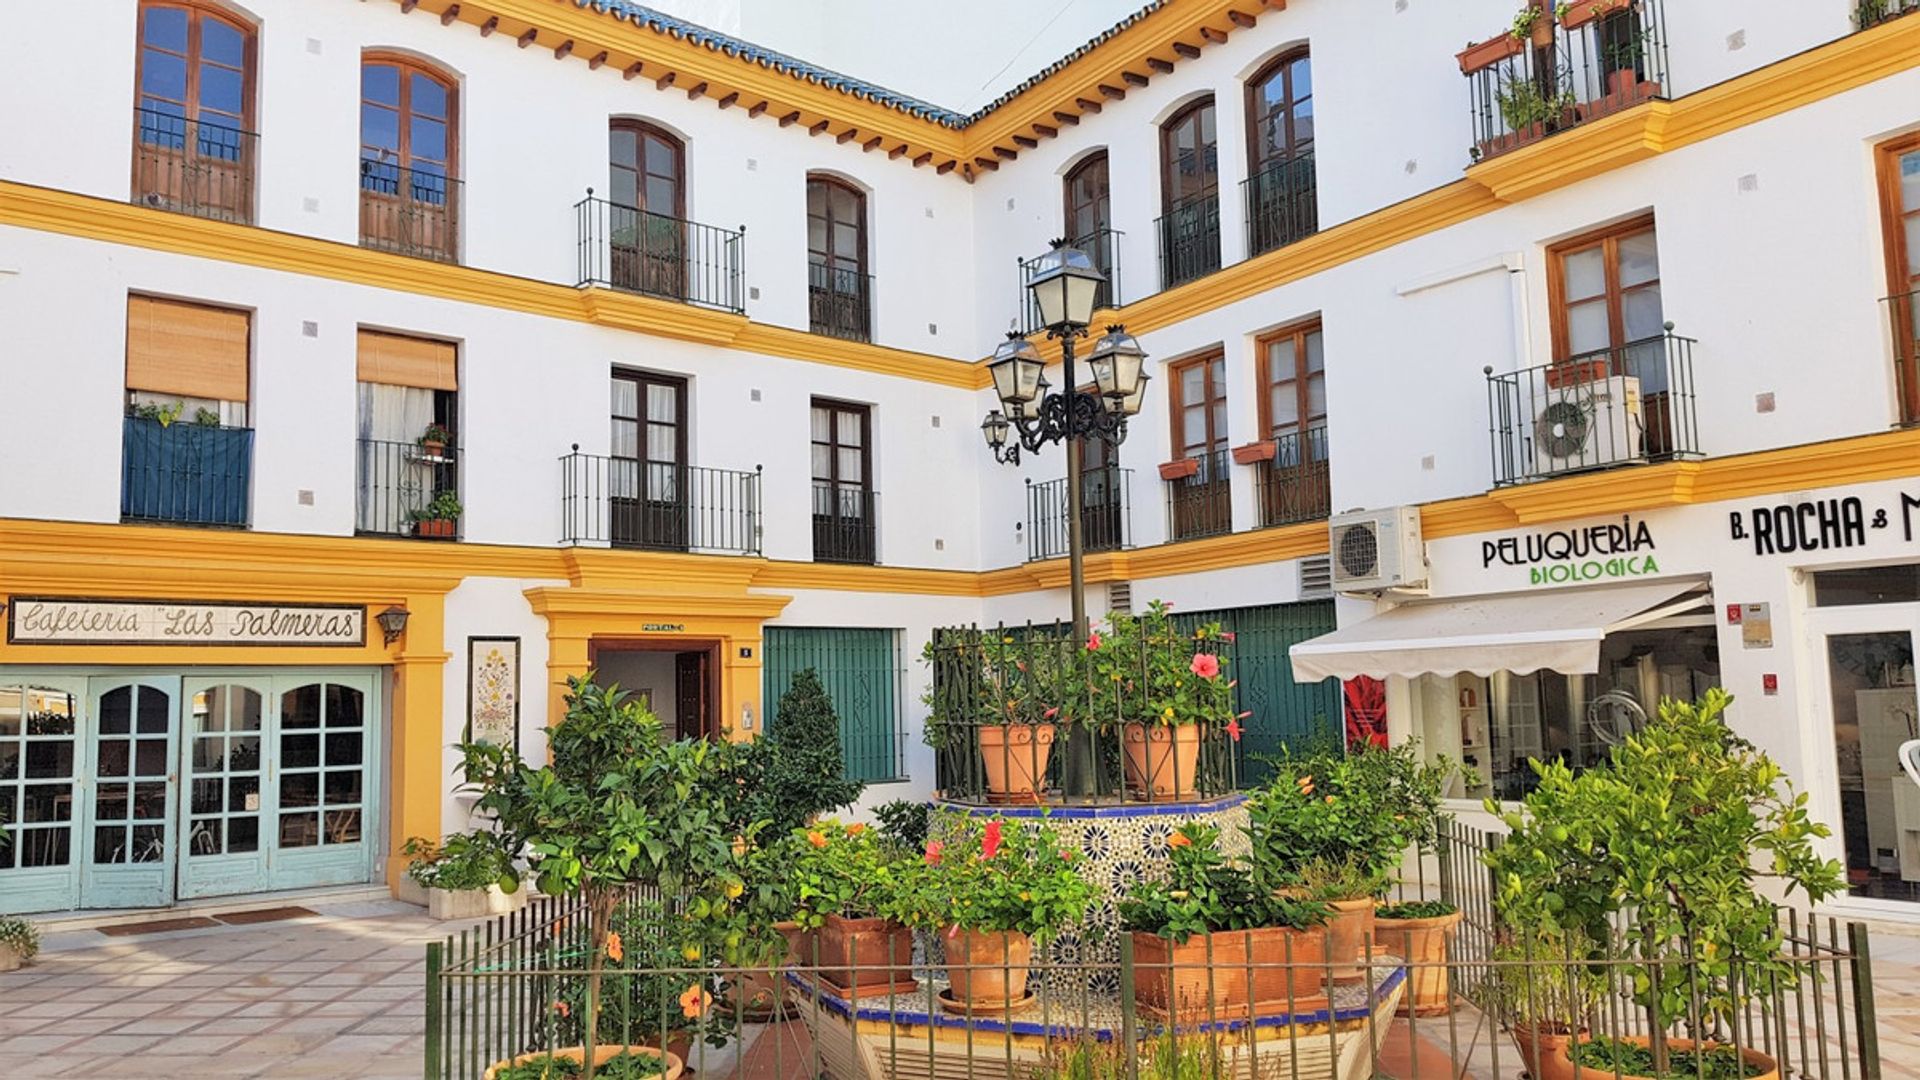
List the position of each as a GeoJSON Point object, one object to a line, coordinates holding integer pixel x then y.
{"type": "Point", "coordinates": [393, 622]}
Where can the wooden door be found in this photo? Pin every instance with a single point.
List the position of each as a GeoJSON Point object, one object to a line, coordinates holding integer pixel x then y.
{"type": "Point", "coordinates": [647, 474]}
{"type": "Point", "coordinates": [691, 697]}
{"type": "Point", "coordinates": [646, 226]}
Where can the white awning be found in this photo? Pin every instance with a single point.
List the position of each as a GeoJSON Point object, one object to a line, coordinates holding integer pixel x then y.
{"type": "Point", "coordinates": [1518, 632]}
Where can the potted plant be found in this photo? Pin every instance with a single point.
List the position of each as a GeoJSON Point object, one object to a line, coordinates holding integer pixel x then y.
{"type": "Point", "coordinates": [438, 519]}
{"type": "Point", "coordinates": [843, 880]}
{"type": "Point", "coordinates": [434, 441]}
{"type": "Point", "coordinates": [1539, 984]}
{"type": "Point", "coordinates": [1529, 111]}
{"type": "Point", "coordinates": [1532, 24]}
{"type": "Point", "coordinates": [1578, 13]}
{"type": "Point", "coordinates": [1350, 888]}
{"type": "Point", "coordinates": [1419, 932]}
{"type": "Point", "coordinates": [1026, 684]}
{"type": "Point", "coordinates": [610, 1063]}
{"type": "Point", "coordinates": [1208, 942]}
{"type": "Point", "coordinates": [1680, 825]}
{"type": "Point", "coordinates": [465, 876]}
{"type": "Point", "coordinates": [1254, 453]}
{"type": "Point", "coordinates": [1482, 55]}
{"type": "Point", "coordinates": [992, 890]}
{"type": "Point", "coordinates": [1179, 468]}
{"type": "Point", "coordinates": [19, 943]}
{"type": "Point", "coordinates": [1166, 688]}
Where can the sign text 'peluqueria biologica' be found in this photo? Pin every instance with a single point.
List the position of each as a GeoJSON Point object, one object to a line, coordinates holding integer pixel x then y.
{"type": "Point", "coordinates": [1571, 556]}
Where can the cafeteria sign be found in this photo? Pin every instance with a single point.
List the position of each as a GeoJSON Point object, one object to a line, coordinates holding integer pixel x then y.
{"type": "Point", "coordinates": [1573, 556]}
{"type": "Point", "coordinates": [50, 621]}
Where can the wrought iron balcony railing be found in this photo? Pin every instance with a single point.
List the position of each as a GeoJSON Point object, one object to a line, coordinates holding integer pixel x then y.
{"type": "Point", "coordinates": [1201, 503]}
{"type": "Point", "coordinates": [1100, 245]}
{"type": "Point", "coordinates": [1622, 406]}
{"type": "Point", "coordinates": [1282, 204]}
{"type": "Point", "coordinates": [1189, 240]}
{"type": "Point", "coordinates": [630, 249]}
{"type": "Point", "coordinates": [1294, 482]}
{"type": "Point", "coordinates": [193, 167]}
{"type": "Point", "coordinates": [1871, 13]}
{"type": "Point", "coordinates": [845, 523]}
{"type": "Point", "coordinates": [407, 211]}
{"type": "Point", "coordinates": [1595, 59]}
{"type": "Point", "coordinates": [839, 302]}
{"type": "Point", "coordinates": [184, 473]}
{"type": "Point", "coordinates": [1105, 514]}
{"type": "Point", "coordinates": [395, 489]}
{"type": "Point", "coordinates": [622, 502]}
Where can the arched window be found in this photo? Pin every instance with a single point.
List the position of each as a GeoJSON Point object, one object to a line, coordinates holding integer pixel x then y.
{"type": "Point", "coordinates": [409, 157]}
{"type": "Point", "coordinates": [648, 168]}
{"type": "Point", "coordinates": [194, 111]}
{"type": "Point", "coordinates": [645, 215]}
{"type": "Point", "coordinates": [1281, 202]}
{"type": "Point", "coordinates": [1189, 193]}
{"type": "Point", "coordinates": [838, 286]}
{"type": "Point", "coordinates": [1089, 218]}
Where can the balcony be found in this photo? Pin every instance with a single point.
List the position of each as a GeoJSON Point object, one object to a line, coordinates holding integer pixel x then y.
{"type": "Point", "coordinates": [1294, 483]}
{"type": "Point", "coordinates": [193, 167]}
{"type": "Point", "coordinates": [1103, 247]}
{"type": "Point", "coordinates": [1906, 353]}
{"type": "Point", "coordinates": [1599, 58]}
{"type": "Point", "coordinates": [1200, 502]}
{"type": "Point", "coordinates": [1282, 204]}
{"type": "Point", "coordinates": [844, 523]}
{"type": "Point", "coordinates": [625, 503]}
{"type": "Point", "coordinates": [839, 302]}
{"type": "Point", "coordinates": [414, 212]}
{"type": "Point", "coordinates": [1105, 515]}
{"type": "Point", "coordinates": [626, 248]}
{"type": "Point", "coordinates": [184, 473]}
{"type": "Point", "coordinates": [407, 489]}
{"type": "Point", "coordinates": [1189, 235]}
{"type": "Point", "coordinates": [1624, 406]}
{"type": "Point", "coordinates": [1871, 13]}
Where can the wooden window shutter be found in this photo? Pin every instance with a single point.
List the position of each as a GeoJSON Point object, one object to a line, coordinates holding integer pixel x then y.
{"type": "Point", "coordinates": [398, 360]}
{"type": "Point", "coordinates": [189, 350]}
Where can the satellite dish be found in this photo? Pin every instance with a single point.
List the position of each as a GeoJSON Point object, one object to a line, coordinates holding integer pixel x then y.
{"type": "Point", "coordinates": [1910, 759]}
{"type": "Point", "coordinates": [1614, 715]}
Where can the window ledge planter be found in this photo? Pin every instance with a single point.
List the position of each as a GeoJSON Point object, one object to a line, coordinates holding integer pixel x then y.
{"type": "Point", "coordinates": [1483, 55]}
{"type": "Point", "coordinates": [435, 528]}
{"type": "Point", "coordinates": [1214, 975]}
{"type": "Point", "coordinates": [1581, 12]}
{"type": "Point", "coordinates": [447, 904]}
{"type": "Point", "coordinates": [1179, 469]}
{"type": "Point", "coordinates": [1255, 452]}
{"type": "Point", "coordinates": [1577, 373]}
{"type": "Point", "coordinates": [670, 1069]}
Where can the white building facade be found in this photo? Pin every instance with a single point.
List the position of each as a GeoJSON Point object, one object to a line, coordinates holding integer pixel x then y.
{"type": "Point", "coordinates": [374, 367]}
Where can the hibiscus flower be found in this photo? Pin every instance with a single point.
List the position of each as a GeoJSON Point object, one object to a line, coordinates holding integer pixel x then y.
{"type": "Point", "coordinates": [1205, 665]}
{"type": "Point", "coordinates": [695, 1001]}
{"type": "Point", "coordinates": [934, 848]}
{"type": "Point", "coordinates": [990, 841]}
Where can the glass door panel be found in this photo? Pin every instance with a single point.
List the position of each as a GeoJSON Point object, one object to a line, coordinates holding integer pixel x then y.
{"type": "Point", "coordinates": [39, 785]}
{"type": "Point", "coordinates": [221, 760]}
{"type": "Point", "coordinates": [323, 781]}
{"type": "Point", "coordinates": [128, 841]}
{"type": "Point", "coordinates": [1870, 677]}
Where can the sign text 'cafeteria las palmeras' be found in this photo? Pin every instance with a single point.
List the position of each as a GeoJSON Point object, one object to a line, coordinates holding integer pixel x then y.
{"type": "Point", "coordinates": [58, 621]}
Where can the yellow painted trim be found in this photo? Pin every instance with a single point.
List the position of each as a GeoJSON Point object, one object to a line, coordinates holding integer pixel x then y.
{"type": "Point", "coordinates": [91, 218]}
{"type": "Point", "coordinates": [1606, 144]}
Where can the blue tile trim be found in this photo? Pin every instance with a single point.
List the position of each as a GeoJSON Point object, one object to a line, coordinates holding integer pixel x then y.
{"type": "Point", "coordinates": [1091, 813]}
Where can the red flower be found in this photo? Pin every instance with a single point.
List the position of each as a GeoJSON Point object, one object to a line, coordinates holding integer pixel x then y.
{"type": "Point", "coordinates": [934, 848]}
{"type": "Point", "coordinates": [1227, 635]}
{"type": "Point", "coordinates": [1051, 713]}
{"type": "Point", "coordinates": [1093, 641]}
{"type": "Point", "coordinates": [990, 842]}
{"type": "Point", "coordinates": [1205, 665]}
{"type": "Point", "coordinates": [1233, 729]}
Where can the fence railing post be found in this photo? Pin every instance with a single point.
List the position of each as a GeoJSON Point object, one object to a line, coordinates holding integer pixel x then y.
{"type": "Point", "coordinates": [1127, 1019]}
{"type": "Point", "coordinates": [1866, 1028]}
{"type": "Point", "coordinates": [433, 1011]}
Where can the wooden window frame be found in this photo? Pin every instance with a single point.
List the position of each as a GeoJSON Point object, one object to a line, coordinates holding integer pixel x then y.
{"type": "Point", "coordinates": [642, 380]}
{"type": "Point", "coordinates": [1265, 375]}
{"type": "Point", "coordinates": [197, 11]}
{"type": "Point", "coordinates": [839, 407]}
{"type": "Point", "coordinates": [403, 107]}
{"type": "Point", "coordinates": [1607, 238]}
{"type": "Point", "coordinates": [1098, 157]}
{"type": "Point", "coordinates": [1278, 67]}
{"type": "Point", "coordinates": [642, 129]}
{"type": "Point", "coordinates": [1216, 441]}
{"type": "Point", "coordinates": [860, 197]}
{"type": "Point", "coordinates": [1167, 128]}
{"type": "Point", "coordinates": [1900, 284]}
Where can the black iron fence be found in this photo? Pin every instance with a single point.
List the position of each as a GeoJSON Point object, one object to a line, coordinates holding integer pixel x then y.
{"type": "Point", "coordinates": [1595, 59]}
{"type": "Point", "coordinates": [408, 211]}
{"type": "Point", "coordinates": [625, 502]}
{"type": "Point", "coordinates": [839, 301]}
{"type": "Point", "coordinates": [1105, 515]}
{"type": "Point", "coordinates": [627, 248]}
{"type": "Point", "coordinates": [184, 472]}
{"type": "Point", "coordinates": [1294, 482]}
{"type": "Point", "coordinates": [1102, 246]}
{"type": "Point", "coordinates": [1200, 503]}
{"type": "Point", "coordinates": [1871, 13]}
{"type": "Point", "coordinates": [845, 523]}
{"type": "Point", "coordinates": [1596, 410]}
{"type": "Point", "coordinates": [397, 484]}
{"type": "Point", "coordinates": [1189, 234]}
{"type": "Point", "coordinates": [1906, 353]}
{"type": "Point", "coordinates": [1282, 204]}
{"type": "Point", "coordinates": [192, 166]}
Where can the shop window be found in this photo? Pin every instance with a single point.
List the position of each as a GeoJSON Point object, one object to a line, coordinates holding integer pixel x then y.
{"type": "Point", "coordinates": [861, 671]}
{"type": "Point", "coordinates": [322, 765]}
{"type": "Point", "coordinates": [1867, 585]}
{"type": "Point", "coordinates": [36, 778]}
{"type": "Point", "coordinates": [1495, 725]}
{"type": "Point", "coordinates": [408, 415]}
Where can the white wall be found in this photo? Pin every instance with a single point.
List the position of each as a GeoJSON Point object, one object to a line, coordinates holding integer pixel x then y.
{"type": "Point", "coordinates": [648, 671]}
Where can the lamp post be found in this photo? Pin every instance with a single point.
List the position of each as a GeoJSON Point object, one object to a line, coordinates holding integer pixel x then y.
{"type": "Point", "coordinates": [1064, 283]}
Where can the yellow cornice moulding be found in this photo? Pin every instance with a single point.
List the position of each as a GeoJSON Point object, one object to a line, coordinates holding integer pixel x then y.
{"type": "Point", "coordinates": [91, 218]}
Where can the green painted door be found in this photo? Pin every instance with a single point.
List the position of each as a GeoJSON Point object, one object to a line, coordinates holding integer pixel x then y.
{"type": "Point", "coordinates": [223, 759]}
{"type": "Point", "coordinates": [41, 762]}
{"type": "Point", "coordinates": [860, 669]}
{"type": "Point", "coordinates": [1284, 712]}
{"type": "Point", "coordinates": [322, 731]}
{"type": "Point", "coordinates": [128, 839]}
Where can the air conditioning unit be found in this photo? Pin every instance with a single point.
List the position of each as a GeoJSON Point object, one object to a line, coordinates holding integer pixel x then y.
{"type": "Point", "coordinates": [1376, 550]}
{"type": "Point", "coordinates": [1587, 425]}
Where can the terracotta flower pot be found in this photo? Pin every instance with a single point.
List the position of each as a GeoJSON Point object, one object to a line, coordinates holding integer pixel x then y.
{"type": "Point", "coordinates": [433, 449]}
{"type": "Point", "coordinates": [1577, 373]}
{"type": "Point", "coordinates": [1562, 1058]}
{"type": "Point", "coordinates": [1255, 452]}
{"type": "Point", "coordinates": [760, 995]}
{"type": "Point", "coordinates": [1347, 933]}
{"type": "Point", "coordinates": [1179, 469]}
{"type": "Point", "coordinates": [1422, 943]}
{"type": "Point", "coordinates": [1162, 762]}
{"type": "Point", "coordinates": [988, 968]}
{"type": "Point", "coordinates": [1016, 758]}
{"type": "Point", "coordinates": [865, 955]}
{"type": "Point", "coordinates": [1582, 12]}
{"type": "Point", "coordinates": [437, 528]}
{"type": "Point", "coordinates": [1228, 972]}
{"type": "Point", "coordinates": [1482, 55]}
{"type": "Point", "coordinates": [670, 1070]}
{"type": "Point", "coordinates": [1542, 1047]}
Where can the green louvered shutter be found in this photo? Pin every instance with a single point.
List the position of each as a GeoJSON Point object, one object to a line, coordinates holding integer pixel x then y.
{"type": "Point", "coordinates": [861, 671]}
{"type": "Point", "coordinates": [1284, 711]}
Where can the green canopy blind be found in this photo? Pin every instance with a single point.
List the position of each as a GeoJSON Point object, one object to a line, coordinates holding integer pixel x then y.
{"type": "Point", "coordinates": [861, 670]}
{"type": "Point", "coordinates": [1284, 711]}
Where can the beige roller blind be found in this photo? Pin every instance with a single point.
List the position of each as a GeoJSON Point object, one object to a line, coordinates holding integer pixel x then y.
{"type": "Point", "coordinates": [186, 349]}
{"type": "Point", "coordinates": [398, 360]}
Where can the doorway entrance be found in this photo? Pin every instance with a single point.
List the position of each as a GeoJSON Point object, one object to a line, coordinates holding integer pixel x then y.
{"type": "Point", "coordinates": [1864, 660]}
{"type": "Point", "coordinates": [678, 680]}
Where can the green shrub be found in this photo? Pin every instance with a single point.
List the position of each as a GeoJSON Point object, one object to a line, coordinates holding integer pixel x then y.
{"type": "Point", "coordinates": [1204, 892]}
{"type": "Point", "coordinates": [462, 861]}
{"type": "Point", "coordinates": [995, 876]}
{"type": "Point", "coordinates": [21, 936]}
{"type": "Point", "coordinates": [797, 769]}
